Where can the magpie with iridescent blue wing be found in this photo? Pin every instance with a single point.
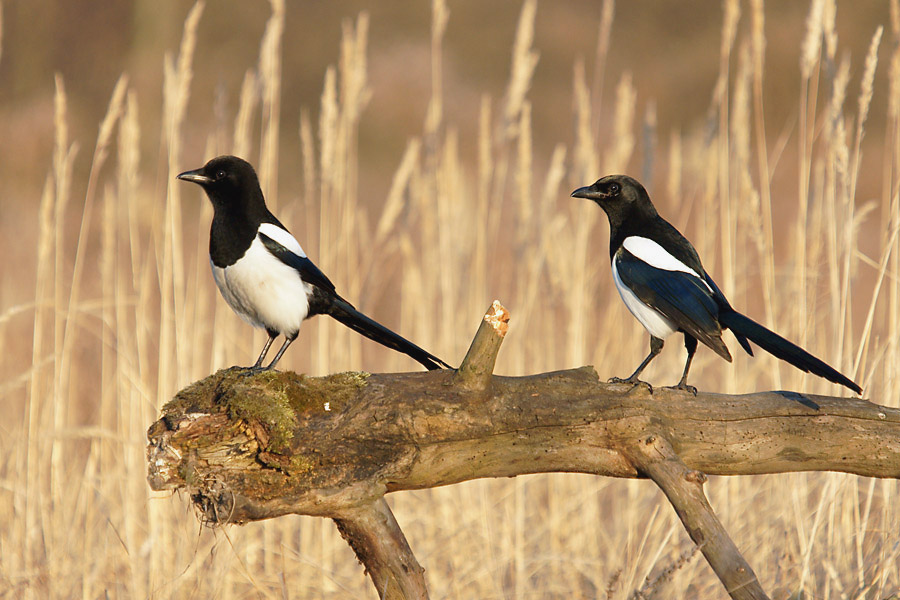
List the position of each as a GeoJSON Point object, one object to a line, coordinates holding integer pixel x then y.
{"type": "Point", "coordinates": [262, 271]}
{"type": "Point", "coordinates": [660, 278]}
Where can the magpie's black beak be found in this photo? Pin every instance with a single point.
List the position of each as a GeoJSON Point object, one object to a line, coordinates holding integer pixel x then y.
{"type": "Point", "coordinates": [195, 176]}
{"type": "Point", "coordinates": [588, 193]}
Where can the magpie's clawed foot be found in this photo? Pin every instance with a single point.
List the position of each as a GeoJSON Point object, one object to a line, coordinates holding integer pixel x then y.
{"type": "Point", "coordinates": [684, 387]}
{"type": "Point", "coordinates": [251, 371]}
{"type": "Point", "coordinates": [632, 381]}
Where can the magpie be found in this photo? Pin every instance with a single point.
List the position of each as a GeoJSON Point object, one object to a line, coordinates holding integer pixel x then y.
{"type": "Point", "coordinates": [659, 277]}
{"type": "Point", "coordinates": [263, 273]}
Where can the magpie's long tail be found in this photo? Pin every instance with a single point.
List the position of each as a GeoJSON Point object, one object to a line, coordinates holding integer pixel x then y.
{"type": "Point", "coordinates": [774, 344]}
{"type": "Point", "coordinates": [343, 311]}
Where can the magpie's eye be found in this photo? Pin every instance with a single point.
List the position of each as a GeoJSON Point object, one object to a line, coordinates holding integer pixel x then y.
{"type": "Point", "coordinates": [220, 174]}
{"type": "Point", "coordinates": [613, 188]}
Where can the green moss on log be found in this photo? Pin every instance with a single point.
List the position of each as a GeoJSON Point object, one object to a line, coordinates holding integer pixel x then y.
{"type": "Point", "coordinates": [273, 400]}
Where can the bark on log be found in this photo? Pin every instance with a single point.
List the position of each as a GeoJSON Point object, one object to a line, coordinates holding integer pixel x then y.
{"type": "Point", "coordinates": [257, 447]}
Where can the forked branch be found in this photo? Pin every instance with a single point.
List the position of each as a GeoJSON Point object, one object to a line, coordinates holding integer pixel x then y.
{"type": "Point", "coordinates": [250, 448]}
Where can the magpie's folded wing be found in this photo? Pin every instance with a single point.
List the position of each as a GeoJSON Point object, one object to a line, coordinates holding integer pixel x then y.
{"type": "Point", "coordinates": [309, 272]}
{"type": "Point", "coordinates": [682, 297]}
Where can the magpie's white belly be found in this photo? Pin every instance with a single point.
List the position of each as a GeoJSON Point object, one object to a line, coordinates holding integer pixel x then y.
{"type": "Point", "coordinates": [653, 321]}
{"type": "Point", "coordinates": [264, 291]}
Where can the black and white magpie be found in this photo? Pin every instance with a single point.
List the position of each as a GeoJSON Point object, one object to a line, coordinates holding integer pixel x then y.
{"type": "Point", "coordinates": [660, 279]}
{"type": "Point", "coordinates": [262, 271]}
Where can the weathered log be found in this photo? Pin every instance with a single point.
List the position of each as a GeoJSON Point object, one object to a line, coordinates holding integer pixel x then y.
{"type": "Point", "coordinates": [261, 446]}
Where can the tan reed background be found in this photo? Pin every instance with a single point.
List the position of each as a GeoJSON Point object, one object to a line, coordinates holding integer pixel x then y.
{"type": "Point", "coordinates": [108, 308]}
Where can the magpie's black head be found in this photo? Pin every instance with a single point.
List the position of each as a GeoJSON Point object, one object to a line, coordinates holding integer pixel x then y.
{"type": "Point", "coordinates": [229, 181]}
{"type": "Point", "coordinates": [616, 194]}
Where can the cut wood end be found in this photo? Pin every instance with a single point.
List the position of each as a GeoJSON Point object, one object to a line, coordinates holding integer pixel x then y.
{"type": "Point", "coordinates": [498, 318]}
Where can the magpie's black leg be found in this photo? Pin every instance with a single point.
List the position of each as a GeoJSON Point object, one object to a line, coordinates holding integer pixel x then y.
{"type": "Point", "coordinates": [690, 344]}
{"type": "Point", "coordinates": [284, 346]}
{"type": "Point", "coordinates": [656, 346]}
{"type": "Point", "coordinates": [265, 350]}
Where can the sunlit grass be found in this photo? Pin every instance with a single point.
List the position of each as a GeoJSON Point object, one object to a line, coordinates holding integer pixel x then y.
{"type": "Point", "coordinates": [124, 313]}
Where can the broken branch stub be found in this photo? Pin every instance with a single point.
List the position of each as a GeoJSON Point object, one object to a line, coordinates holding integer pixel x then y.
{"type": "Point", "coordinates": [478, 366]}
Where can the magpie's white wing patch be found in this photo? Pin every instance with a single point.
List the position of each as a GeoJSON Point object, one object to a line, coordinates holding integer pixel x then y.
{"type": "Point", "coordinates": [655, 255]}
{"type": "Point", "coordinates": [283, 237]}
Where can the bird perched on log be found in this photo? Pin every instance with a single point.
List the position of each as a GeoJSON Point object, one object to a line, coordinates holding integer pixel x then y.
{"type": "Point", "coordinates": [263, 273]}
{"type": "Point", "coordinates": [660, 279]}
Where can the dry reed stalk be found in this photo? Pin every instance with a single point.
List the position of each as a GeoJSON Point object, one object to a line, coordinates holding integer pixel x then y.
{"type": "Point", "coordinates": [128, 156]}
{"type": "Point", "coordinates": [587, 161]}
{"type": "Point", "coordinates": [620, 150]}
{"type": "Point", "coordinates": [46, 533]}
{"type": "Point", "coordinates": [827, 495]}
{"type": "Point", "coordinates": [328, 171]}
{"type": "Point", "coordinates": [866, 91]}
{"type": "Point", "coordinates": [870, 315]}
{"type": "Point", "coordinates": [550, 193]}
{"type": "Point", "coordinates": [128, 335]}
{"type": "Point", "coordinates": [64, 157]}
{"type": "Point", "coordinates": [674, 172]}
{"type": "Point", "coordinates": [108, 353]}
{"type": "Point", "coordinates": [649, 127]}
{"type": "Point", "coordinates": [434, 116]}
{"type": "Point", "coordinates": [355, 94]}
{"type": "Point", "coordinates": [446, 209]}
{"type": "Point", "coordinates": [524, 178]}
{"type": "Point", "coordinates": [396, 198]}
{"type": "Point", "coordinates": [890, 160]}
{"type": "Point", "coordinates": [835, 204]}
{"type": "Point", "coordinates": [809, 64]}
{"type": "Point", "coordinates": [524, 60]}
{"type": "Point", "coordinates": [483, 201]}
{"type": "Point", "coordinates": [25, 529]}
{"type": "Point", "coordinates": [597, 80]}
{"type": "Point", "coordinates": [891, 198]}
{"type": "Point", "coordinates": [270, 80]}
{"type": "Point", "coordinates": [308, 160]}
{"type": "Point", "coordinates": [243, 122]}
{"type": "Point", "coordinates": [107, 259]}
{"type": "Point", "coordinates": [853, 166]}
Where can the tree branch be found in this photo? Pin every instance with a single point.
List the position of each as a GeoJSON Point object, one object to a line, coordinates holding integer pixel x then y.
{"type": "Point", "coordinates": [249, 448]}
{"type": "Point", "coordinates": [654, 457]}
{"type": "Point", "coordinates": [380, 545]}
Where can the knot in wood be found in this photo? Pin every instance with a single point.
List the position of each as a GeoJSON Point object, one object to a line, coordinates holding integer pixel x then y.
{"type": "Point", "coordinates": [694, 476]}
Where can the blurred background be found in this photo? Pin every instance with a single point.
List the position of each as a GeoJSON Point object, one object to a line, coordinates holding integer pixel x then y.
{"type": "Point", "coordinates": [423, 154]}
